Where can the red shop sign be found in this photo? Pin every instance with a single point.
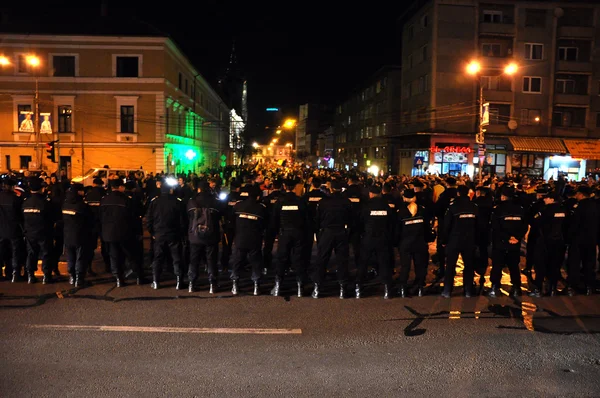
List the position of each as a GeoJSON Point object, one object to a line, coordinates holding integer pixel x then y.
{"type": "Point", "coordinates": [451, 149]}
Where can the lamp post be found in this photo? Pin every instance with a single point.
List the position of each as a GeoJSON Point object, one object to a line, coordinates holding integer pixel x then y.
{"type": "Point", "coordinates": [474, 69]}
{"type": "Point", "coordinates": [34, 62]}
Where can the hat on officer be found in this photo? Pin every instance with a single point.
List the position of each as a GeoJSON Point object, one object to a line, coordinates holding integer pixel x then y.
{"type": "Point", "coordinates": [98, 181]}
{"type": "Point", "coordinates": [116, 183]}
{"type": "Point", "coordinates": [337, 184]}
{"type": "Point", "coordinates": [417, 183]}
{"type": "Point", "coordinates": [9, 182]}
{"type": "Point", "coordinates": [451, 181]}
{"type": "Point", "coordinates": [409, 193]}
{"type": "Point", "coordinates": [35, 184]}
{"type": "Point", "coordinates": [375, 189]}
{"type": "Point", "coordinates": [569, 190]}
{"type": "Point", "coordinates": [585, 190]}
{"type": "Point", "coordinates": [554, 195]}
{"type": "Point", "coordinates": [542, 190]}
{"type": "Point", "coordinates": [482, 189]}
{"type": "Point", "coordinates": [507, 191]}
{"type": "Point", "coordinates": [77, 187]}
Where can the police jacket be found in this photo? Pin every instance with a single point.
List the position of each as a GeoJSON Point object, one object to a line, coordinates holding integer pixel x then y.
{"type": "Point", "coordinates": [391, 200]}
{"type": "Point", "coordinates": [334, 212]}
{"type": "Point", "coordinates": [138, 212]}
{"type": "Point", "coordinates": [92, 198]}
{"type": "Point", "coordinates": [460, 223]}
{"type": "Point", "coordinates": [508, 220]}
{"type": "Point", "coordinates": [532, 213]}
{"type": "Point", "coordinates": [39, 217]}
{"type": "Point", "coordinates": [228, 213]}
{"type": "Point", "coordinates": [78, 220]}
{"type": "Point", "coordinates": [11, 215]}
{"type": "Point", "coordinates": [166, 219]}
{"type": "Point", "coordinates": [207, 201]}
{"type": "Point", "coordinates": [443, 202]}
{"type": "Point", "coordinates": [412, 230]}
{"type": "Point", "coordinates": [250, 223]}
{"type": "Point", "coordinates": [289, 212]}
{"type": "Point", "coordinates": [485, 204]}
{"type": "Point", "coordinates": [583, 227]}
{"type": "Point", "coordinates": [354, 193]}
{"type": "Point", "coordinates": [312, 199]}
{"type": "Point", "coordinates": [117, 217]}
{"type": "Point", "coordinates": [377, 219]}
{"type": "Point", "coordinates": [551, 222]}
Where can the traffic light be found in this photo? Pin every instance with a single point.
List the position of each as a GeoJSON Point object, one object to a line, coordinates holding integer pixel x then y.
{"type": "Point", "coordinates": [50, 150]}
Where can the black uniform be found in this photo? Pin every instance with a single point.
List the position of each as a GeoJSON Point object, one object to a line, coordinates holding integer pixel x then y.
{"type": "Point", "coordinates": [270, 234]}
{"type": "Point", "coordinates": [228, 228]}
{"type": "Point", "coordinates": [533, 234]}
{"type": "Point", "coordinates": [11, 229]}
{"type": "Point", "coordinates": [356, 195]}
{"type": "Point", "coordinates": [412, 233]}
{"type": "Point", "coordinates": [377, 221]}
{"type": "Point", "coordinates": [312, 199]}
{"type": "Point", "coordinates": [508, 220]}
{"type": "Point", "coordinates": [56, 193]}
{"type": "Point", "coordinates": [78, 221]}
{"type": "Point", "coordinates": [39, 217]}
{"type": "Point", "coordinates": [550, 244]}
{"type": "Point", "coordinates": [167, 223]}
{"type": "Point", "coordinates": [207, 244]}
{"type": "Point", "coordinates": [459, 234]}
{"type": "Point", "coordinates": [92, 198]}
{"type": "Point", "coordinates": [485, 204]}
{"type": "Point", "coordinates": [441, 207]}
{"type": "Point", "coordinates": [290, 220]}
{"type": "Point", "coordinates": [334, 213]}
{"type": "Point", "coordinates": [250, 224]}
{"type": "Point", "coordinates": [582, 238]}
{"type": "Point", "coordinates": [137, 203]}
{"type": "Point", "coordinates": [118, 218]}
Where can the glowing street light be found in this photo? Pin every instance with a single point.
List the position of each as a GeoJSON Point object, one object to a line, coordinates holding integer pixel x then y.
{"type": "Point", "coordinates": [190, 154]}
{"type": "Point", "coordinates": [274, 140]}
{"type": "Point", "coordinates": [255, 144]}
{"type": "Point", "coordinates": [278, 132]}
{"type": "Point", "coordinates": [511, 69]}
{"type": "Point", "coordinates": [32, 60]}
{"type": "Point", "coordinates": [4, 61]}
{"type": "Point", "coordinates": [289, 123]}
{"type": "Point", "coordinates": [473, 68]}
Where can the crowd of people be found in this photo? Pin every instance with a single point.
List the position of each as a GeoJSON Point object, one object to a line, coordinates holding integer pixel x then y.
{"type": "Point", "coordinates": [268, 220]}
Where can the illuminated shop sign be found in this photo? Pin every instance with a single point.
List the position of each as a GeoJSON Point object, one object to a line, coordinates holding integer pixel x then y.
{"type": "Point", "coordinates": [451, 149]}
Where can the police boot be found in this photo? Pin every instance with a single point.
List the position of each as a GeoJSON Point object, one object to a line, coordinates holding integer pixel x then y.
{"type": "Point", "coordinates": [155, 284]}
{"type": "Point", "coordinates": [315, 293]}
{"type": "Point", "coordinates": [256, 289]}
{"type": "Point", "coordinates": [342, 291]}
{"type": "Point", "coordinates": [275, 290]}
{"type": "Point", "coordinates": [71, 279]}
{"type": "Point", "coordinates": [234, 289]}
{"type": "Point", "coordinates": [420, 291]}
{"type": "Point", "coordinates": [446, 293]}
{"type": "Point", "coordinates": [191, 287]}
{"type": "Point", "coordinates": [516, 292]}
{"type": "Point", "coordinates": [535, 293]}
{"type": "Point", "coordinates": [80, 280]}
{"type": "Point", "coordinates": [553, 290]}
{"type": "Point", "coordinates": [589, 291]}
{"type": "Point", "coordinates": [402, 291]}
{"type": "Point", "coordinates": [212, 287]}
{"type": "Point", "coordinates": [47, 279]}
{"type": "Point", "coordinates": [15, 276]}
{"type": "Point", "coordinates": [178, 282]}
{"type": "Point", "coordinates": [571, 292]}
{"type": "Point", "coordinates": [387, 292]}
{"type": "Point", "coordinates": [357, 291]}
{"type": "Point", "coordinates": [493, 293]}
{"type": "Point", "coordinates": [31, 278]}
{"type": "Point", "coordinates": [468, 291]}
{"type": "Point", "coordinates": [141, 280]}
{"type": "Point", "coordinates": [300, 289]}
{"type": "Point", "coordinates": [120, 281]}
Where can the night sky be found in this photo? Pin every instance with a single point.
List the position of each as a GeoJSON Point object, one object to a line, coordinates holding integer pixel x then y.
{"type": "Point", "coordinates": [291, 52]}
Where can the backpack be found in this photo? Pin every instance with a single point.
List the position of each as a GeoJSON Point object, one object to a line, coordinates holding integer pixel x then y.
{"type": "Point", "coordinates": [203, 224]}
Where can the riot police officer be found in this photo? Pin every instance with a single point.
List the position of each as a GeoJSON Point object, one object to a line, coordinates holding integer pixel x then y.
{"type": "Point", "coordinates": [312, 198]}
{"type": "Point", "coordinates": [39, 216]}
{"type": "Point", "coordinates": [485, 204]}
{"type": "Point", "coordinates": [78, 222]}
{"type": "Point", "coordinates": [334, 213]}
{"type": "Point", "coordinates": [550, 244]}
{"type": "Point", "coordinates": [377, 221]}
{"type": "Point", "coordinates": [533, 234]}
{"type": "Point", "coordinates": [204, 213]}
{"type": "Point", "coordinates": [441, 207]}
{"type": "Point", "coordinates": [269, 201]}
{"type": "Point", "coordinates": [508, 229]}
{"type": "Point", "coordinates": [413, 232]}
{"type": "Point", "coordinates": [250, 223]}
{"type": "Point", "coordinates": [11, 226]}
{"type": "Point", "coordinates": [167, 225]}
{"type": "Point", "coordinates": [92, 198]}
{"type": "Point", "coordinates": [229, 224]}
{"type": "Point", "coordinates": [354, 193]}
{"type": "Point", "coordinates": [458, 237]}
{"type": "Point", "coordinates": [290, 221]}
{"type": "Point", "coordinates": [133, 192]}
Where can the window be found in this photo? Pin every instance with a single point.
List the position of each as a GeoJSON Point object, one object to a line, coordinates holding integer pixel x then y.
{"type": "Point", "coordinates": [384, 129]}
{"type": "Point", "coordinates": [186, 86]}
{"type": "Point", "coordinates": [378, 87]}
{"type": "Point", "coordinates": [411, 32]}
{"type": "Point", "coordinates": [568, 117]}
{"type": "Point", "coordinates": [597, 119]}
{"type": "Point", "coordinates": [64, 119]}
{"type": "Point", "coordinates": [534, 51]}
{"type": "Point", "coordinates": [426, 82]}
{"type": "Point", "coordinates": [22, 65]}
{"type": "Point", "coordinates": [490, 49]}
{"type": "Point", "coordinates": [180, 81]}
{"type": "Point", "coordinates": [424, 52]}
{"type": "Point", "coordinates": [24, 161]}
{"type": "Point", "coordinates": [63, 65]}
{"type": "Point", "coordinates": [535, 18]}
{"type": "Point", "coordinates": [565, 86]}
{"type": "Point", "coordinates": [531, 117]}
{"type": "Point", "coordinates": [489, 82]}
{"type": "Point", "coordinates": [410, 61]}
{"type": "Point", "coordinates": [421, 85]}
{"type": "Point", "coordinates": [494, 115]}
{"type": "Point", "coordinates": [567, 53]}
{"type": "Point", "coordinates": [349, 120]}
{"type": "Point", "coordinates": [532, 84]}
{"type": "Point", "coordinates": [492, 16]}
{"type": "Point", "coordinates": [127, 119]}
{"type": "Point", "coordinates": [127, 67]}
{"type": "Point", "coordinates": [424, 21]}
{"type": "Point", "coordinates": [499, 113]}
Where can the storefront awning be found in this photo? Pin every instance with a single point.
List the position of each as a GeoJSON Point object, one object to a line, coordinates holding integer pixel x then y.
{"type": "Point", "coordinates": [545, 145]}
{"type": "Point", "coordinates": [584, 149]}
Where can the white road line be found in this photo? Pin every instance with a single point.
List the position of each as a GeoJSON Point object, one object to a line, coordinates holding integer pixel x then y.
{"type": "Point", "coordinates": [155, 329]}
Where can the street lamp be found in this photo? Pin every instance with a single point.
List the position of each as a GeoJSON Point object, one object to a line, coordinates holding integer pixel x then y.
{"type": "Point", "coordinates": [255, 144]}
{"type": "Point", "coordinates": [289, 123]}
{"type": "Point", "coordinates": [34, 62]}
{"type": "Point", "coordinates": [4, 61]}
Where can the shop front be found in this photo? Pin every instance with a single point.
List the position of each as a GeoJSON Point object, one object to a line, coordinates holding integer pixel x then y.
{"type": "Point", "coordinates": [538, 158]}
{"type": "Point", "coordinates": [451, 159]}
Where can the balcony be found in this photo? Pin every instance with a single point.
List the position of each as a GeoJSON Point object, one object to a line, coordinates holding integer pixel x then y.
{"type": "Point", "coordinates": [571, 99]}
{"type": "Point", "coordinates": [585, 32]}
{"type": "Point", "coordinates": [576, 132]}
{"type": "Point", "coordinates": [501, 29]}
{"type": "Point", "coordinates": [497, 96]}
{"type": "Point", "coordinates": [573, 66]}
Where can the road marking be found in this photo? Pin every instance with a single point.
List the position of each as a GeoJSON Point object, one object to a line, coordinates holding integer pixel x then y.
{"type": "Point", "coordinates": [156, 329]}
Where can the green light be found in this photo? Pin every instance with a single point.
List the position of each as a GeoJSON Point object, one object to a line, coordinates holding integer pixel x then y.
{"type": "Point", "coordinates": [190, 154]}
{"type": "Point", "coordinates": [185, 157]}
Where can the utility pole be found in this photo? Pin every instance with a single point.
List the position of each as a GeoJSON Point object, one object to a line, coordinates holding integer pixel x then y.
{"type": "Point", "coordinates": [82, 154]}
{"type": "Point", "coordinates": [36, 128]}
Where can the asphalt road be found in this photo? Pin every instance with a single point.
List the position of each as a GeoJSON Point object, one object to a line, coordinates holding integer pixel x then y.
{"type": "Point", "coordinates": [133, 341]}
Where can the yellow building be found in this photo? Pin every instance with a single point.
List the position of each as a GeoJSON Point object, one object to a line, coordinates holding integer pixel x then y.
{"type": "Point", "coordinates": [126, 102]}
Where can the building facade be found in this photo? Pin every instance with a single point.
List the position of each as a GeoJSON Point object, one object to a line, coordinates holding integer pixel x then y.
{"type": "Point", "coordinates": [125, 101]}
{"type": "Point", "coordinates": [367, 124]}
{"type": "Point", "coordinates": [540, 117]}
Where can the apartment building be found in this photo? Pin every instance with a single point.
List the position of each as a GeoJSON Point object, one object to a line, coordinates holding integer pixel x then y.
{"type": "Point", "coordinates": [129, 102]}
{"type": "Point", "coordinates": [367, 123]}
{"type": "Point", "coordinates": [544, 115]}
